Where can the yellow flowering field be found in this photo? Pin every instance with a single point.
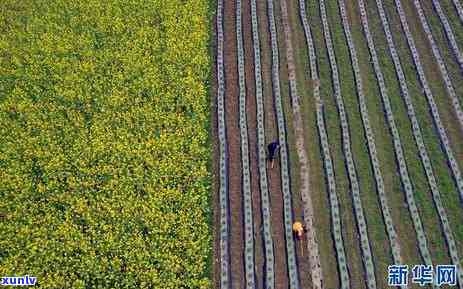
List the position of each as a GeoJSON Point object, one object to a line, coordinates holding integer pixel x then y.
{"type": "Point", "coordinates": [104, 150]}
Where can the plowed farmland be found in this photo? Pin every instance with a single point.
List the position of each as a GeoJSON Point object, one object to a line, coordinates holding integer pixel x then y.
{"type": "Point", "coordinates": [365, 99]}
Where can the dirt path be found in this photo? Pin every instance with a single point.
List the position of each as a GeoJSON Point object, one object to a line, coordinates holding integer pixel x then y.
{"type": "Point", "coordinates": [312, 246]}
{"type": "Point", "coordinates": [234, 161]}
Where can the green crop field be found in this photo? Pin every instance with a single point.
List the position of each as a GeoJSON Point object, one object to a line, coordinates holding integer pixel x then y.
{"type": "Point", "coordinates": [104, 147]}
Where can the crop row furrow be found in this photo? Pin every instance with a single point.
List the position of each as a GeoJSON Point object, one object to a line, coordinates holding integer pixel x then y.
{"type": "Point", "coordinates": [449, 32]}
{"type": "Point", "coordinates": [355, 188]}
{"type": "Point", "coordinates": [284, 163]}
{"type": "Point", "coordinates": [423, 156]}
{"type": "Point", "coordinates": [263, 180]}
{"type": "Point", "coordinates": [440, 62]}
{"type": "Point", "coordinates": [328, 163]}
{"type": "Point", "coordinates": [246, 177]}
{"type": "Point", "coordinates": [393, 240]}
{"type": "Point", "coordinates": [298, 126]}
{"type": "Point", "coordinates": [223, 166]}
{"type": "Point", "coordinates": [432, 104]}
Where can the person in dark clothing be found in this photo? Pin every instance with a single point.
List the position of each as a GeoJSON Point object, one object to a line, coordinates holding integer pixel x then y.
{"type": "Point", "coordinates": [273, 148]}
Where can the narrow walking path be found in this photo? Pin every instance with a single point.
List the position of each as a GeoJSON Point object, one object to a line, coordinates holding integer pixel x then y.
{"type": "Point", "coordinates": [312, 245]}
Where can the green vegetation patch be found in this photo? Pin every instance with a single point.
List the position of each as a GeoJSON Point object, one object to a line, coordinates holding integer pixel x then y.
{"type": "Point", "coordinates": [104, 147]}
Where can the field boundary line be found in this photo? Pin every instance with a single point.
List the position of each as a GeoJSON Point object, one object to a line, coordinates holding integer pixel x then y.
{"type": "Point", "coordinates": [223, 156]}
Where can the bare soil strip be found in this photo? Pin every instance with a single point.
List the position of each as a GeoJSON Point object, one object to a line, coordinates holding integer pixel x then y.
{"type": "Point", "coordinates": [249, 199]}
{"type": "Point", "coordinates": [234, 160]}
{"type": "Point", "coordinates": [275, 130]}
{"type": "Point", "coordinates": [258, 177]}
{"type": "Point", "coordinates": [240, 103]}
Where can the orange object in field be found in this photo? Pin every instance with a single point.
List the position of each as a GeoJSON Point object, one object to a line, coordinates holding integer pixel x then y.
{"type": "Point", "coordinates": [298, 229]}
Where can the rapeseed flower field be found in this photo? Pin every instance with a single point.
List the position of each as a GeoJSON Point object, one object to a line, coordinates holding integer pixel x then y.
{"type": "Point", "coordinates": [104, 150]}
